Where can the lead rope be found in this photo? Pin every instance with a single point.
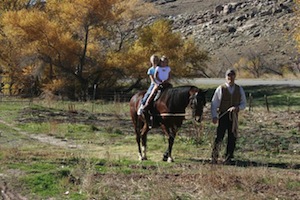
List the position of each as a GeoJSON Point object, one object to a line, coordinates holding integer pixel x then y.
{"type": "Point", "coordinates": [222, 115]}
{"type": "Point", "coordinates": [233, 117]}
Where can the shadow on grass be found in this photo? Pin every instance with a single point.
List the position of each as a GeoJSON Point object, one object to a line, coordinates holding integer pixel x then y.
{"type": "Point", "coordinates": [246, 163]}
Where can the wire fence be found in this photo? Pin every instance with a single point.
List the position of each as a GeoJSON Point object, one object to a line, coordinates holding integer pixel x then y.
{"type": "Point", "coordinates": [287, 102]}
{"type": "Point", "coordinates": [106, 96]}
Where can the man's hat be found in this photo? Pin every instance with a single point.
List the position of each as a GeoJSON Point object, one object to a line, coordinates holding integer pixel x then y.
{"type": "Point", "coordinates": [230, 71]}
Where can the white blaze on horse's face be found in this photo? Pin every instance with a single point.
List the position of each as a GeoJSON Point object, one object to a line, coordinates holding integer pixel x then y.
{"type": "Point", "coordinates": [197, 104]}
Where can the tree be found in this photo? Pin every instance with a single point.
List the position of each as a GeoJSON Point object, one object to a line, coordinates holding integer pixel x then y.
{"type": "Point", "coordinates": [186, 58]}
{"type": "Point", "coordinates": [13, 5]}
{"type": "Point", "coordinates": [252, 66]}
{"type": "Point", "coordinates": [69, 46]}
{"type": "Point", "coordinates": [9, 51]}
{"type": "Point", "coordinates": [70, 37]}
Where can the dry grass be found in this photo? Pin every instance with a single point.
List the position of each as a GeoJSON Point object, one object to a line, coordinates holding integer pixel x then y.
{"type": "Point", "coordinates": [103, 164]}
{"type": "Point", "coordinates": [194, 181]}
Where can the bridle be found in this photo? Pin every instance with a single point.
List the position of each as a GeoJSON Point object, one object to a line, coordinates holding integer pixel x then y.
{"type": "Point", "coordinates": [194, 105]}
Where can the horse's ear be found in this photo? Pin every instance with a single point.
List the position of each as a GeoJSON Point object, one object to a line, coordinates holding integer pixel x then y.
{"type": "Point", "coordinates": [193, 91]}
{"type": "Point", "coordinates": [203, 91]}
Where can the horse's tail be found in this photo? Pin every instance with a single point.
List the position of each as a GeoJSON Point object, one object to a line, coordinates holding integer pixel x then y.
{"type": "Point", "coordinates": [134, 105]}
{"type": "Point", "coordinates": [138, 125]}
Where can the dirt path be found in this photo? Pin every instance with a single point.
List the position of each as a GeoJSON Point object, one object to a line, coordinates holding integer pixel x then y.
{"type": "Point", "coordinates": [6, 192]}
{"type": "Point", "coordinates": [44, 138]}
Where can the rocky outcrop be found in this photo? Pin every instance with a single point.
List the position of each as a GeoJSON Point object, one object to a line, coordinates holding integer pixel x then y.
{"type": "Point", "coordinates": [238, 29]}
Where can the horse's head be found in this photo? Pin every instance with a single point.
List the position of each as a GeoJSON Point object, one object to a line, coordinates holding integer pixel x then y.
{"type": "Point", "coordinates": [197, 102]}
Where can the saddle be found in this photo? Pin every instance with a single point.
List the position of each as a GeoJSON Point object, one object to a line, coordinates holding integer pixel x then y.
{"type": "Point", "coordinates": [162, 87]}
{"type": "Point", "coordinates": [154, 118]}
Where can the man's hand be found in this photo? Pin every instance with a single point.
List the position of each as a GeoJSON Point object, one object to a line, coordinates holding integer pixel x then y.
{"type": "Point", "coordinates": [233, 109]}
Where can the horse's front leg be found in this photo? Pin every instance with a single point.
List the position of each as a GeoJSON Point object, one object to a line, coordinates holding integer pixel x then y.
{"type": "Point", "coordinates": [171, 137]}
{"type": "Point", "coordinates": [171, 142]}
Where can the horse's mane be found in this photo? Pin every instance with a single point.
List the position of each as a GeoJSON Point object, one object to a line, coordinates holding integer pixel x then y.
{"type": "Point", "coordinates": [177, 98]}
{"type": "Point", "coordinates": [179, 90]}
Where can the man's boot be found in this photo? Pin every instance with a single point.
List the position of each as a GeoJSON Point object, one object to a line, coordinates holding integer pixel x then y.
{"type": "Point", "coordinates": [215, 154]}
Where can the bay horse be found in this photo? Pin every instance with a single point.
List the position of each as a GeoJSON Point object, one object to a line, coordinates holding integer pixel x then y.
{"type": "Point", "coordinates": [168, 112]}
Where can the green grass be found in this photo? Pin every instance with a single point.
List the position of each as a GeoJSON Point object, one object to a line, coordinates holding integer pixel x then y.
{"type": "Point", "coordinates": [9, 110]}
{"type": "Point", "coordinates": [280, 97]}
{"type": "Point", "coordinates": [94, 153]}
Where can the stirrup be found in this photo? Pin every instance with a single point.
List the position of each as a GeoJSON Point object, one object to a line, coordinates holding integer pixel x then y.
{"type": "Point", "coordinates": [151, 122]}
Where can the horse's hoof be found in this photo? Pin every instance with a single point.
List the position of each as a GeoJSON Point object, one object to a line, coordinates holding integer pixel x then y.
{"type": "Point", "coordinates": [165, 156]}
{"type": "Point", "coordinates": [170, 160]}
{"type": "Point", "coordinates": [142, 158]}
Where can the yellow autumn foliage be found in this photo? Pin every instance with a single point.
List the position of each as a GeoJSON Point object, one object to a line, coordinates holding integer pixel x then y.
{"type": "Point", "coordinates": [88, 42]}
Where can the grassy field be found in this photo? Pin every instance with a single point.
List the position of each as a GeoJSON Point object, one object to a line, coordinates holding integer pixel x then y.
{"type": "Point", "coordinates": [71, 150]}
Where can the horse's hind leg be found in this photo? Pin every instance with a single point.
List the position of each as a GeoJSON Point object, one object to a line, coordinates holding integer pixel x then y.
{"type": "Point", "coordinates": [143, 149]}
{"type": "Point", "coordinates": [144, 141]}
{"type": "Point", "coordinates": [144, 146]}
{"type": "Point", "coordinates": [137, 129]}
{"type": "Point", "coordinates": [138, 141]}
{"type": "Point", "coordinates": [141, 134]}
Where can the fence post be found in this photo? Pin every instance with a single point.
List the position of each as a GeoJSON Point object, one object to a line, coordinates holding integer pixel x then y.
{"type": "Point", "coordinates": [250, 101]}
{"type": "Point", "coordinates": [288, 103]}
{"type": "Point", "coordinates": [94, 97]}
{"type": "Point", "coordinates": [267, 103]}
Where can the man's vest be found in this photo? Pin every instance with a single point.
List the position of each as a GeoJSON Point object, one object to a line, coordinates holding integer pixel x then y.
{"type": "Point", "coordinates": [228, 100]}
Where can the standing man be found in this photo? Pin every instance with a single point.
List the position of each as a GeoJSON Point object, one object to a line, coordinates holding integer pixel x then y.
{"type": "Point", "coordinates": [228, 99]}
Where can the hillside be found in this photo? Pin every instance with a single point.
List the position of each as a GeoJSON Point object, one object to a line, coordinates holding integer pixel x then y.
{"type": "Point", "coordinates": [234, 29]}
